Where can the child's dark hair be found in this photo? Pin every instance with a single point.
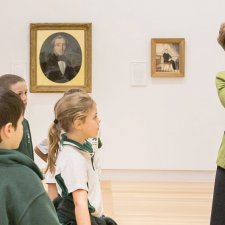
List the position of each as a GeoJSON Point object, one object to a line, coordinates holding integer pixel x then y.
{"type": "Point", "coordinates": [11, 108]}
{"type": "Point", "coordinates": [7, 80]}
{"type": "Point", "coordinates": [69, 108]}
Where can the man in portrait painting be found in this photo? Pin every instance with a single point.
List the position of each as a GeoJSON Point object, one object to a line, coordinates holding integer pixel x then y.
{"type": "Point", "coordinates": [167, 59]}
{"type": "Point", "coordinates": [56, 66]}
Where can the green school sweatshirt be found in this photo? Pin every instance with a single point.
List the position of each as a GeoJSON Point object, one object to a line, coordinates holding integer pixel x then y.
{"type": "Point", "coordinates": [23, 200]}
{"type": "Point", "coordinates": [220, 84]}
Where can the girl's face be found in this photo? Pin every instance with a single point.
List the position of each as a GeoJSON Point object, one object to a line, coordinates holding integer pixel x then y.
{"type": "Point", "coordinates": [90, 127]}
{"type": "Point", "coordinates": [17, 134]}
{"type": "Point", "coordinates": [20, 88]}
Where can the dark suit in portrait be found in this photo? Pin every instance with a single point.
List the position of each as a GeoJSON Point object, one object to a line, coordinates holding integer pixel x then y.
{"type": "Point", "coordinates": [51, 68]}
{"type": "Point", "coordinates": [167, 58]}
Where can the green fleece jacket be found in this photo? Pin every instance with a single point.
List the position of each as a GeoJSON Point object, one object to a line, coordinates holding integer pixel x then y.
{"type": "Point", "coordinates": [220, 84]}
{"type": "Point", "coordinates": [23, 200]}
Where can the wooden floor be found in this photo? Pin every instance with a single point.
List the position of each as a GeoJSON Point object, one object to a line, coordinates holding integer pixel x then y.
{"type": "Point", "coordinates": [151, 203]}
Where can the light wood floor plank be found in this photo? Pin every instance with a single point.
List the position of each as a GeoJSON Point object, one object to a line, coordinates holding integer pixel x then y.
{"type": "Point", "coordinates": [147, 203]}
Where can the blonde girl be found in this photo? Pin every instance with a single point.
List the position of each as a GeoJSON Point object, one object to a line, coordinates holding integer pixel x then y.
{"type": "Point", "coordinates": [71, 159]}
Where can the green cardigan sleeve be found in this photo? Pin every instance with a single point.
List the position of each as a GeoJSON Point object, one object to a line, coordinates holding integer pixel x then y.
{"type": "Point", "coordinates": [220, 84]}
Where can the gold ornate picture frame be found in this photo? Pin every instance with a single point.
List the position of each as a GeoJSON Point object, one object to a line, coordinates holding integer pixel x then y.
{"type": "Point", "coordinates": [60, 56]}
{"type": "Point", "coordinates": [167, 57]}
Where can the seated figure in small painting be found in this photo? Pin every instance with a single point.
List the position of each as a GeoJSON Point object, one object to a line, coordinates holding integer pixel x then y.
{"type": "Point", "coordinates": [168, 62]}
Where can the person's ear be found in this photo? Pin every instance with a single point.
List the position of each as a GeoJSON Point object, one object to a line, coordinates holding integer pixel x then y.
{"type": "Point", "coordinates": [7, 130]}
{"type": "Point", "coordinates": [78, 124]}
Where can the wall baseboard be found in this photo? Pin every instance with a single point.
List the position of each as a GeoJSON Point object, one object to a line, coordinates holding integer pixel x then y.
{"type": "Point", "coordinates": [158, 175]}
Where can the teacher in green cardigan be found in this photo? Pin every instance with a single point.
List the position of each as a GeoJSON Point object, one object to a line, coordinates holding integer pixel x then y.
{"type": "Point", "coordinates": [218, 205]}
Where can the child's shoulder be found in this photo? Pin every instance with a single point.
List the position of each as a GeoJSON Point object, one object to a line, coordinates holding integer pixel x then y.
{"type": "Point", "coordinates": [21, 177]}
{"type": "Point", "coordinates": [70, 153]}
{"type": "Point", "coordinates": [25, 121]}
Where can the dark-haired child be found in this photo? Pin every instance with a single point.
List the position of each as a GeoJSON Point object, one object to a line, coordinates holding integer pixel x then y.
{"type": "Point", "coordinates": [23, 200]}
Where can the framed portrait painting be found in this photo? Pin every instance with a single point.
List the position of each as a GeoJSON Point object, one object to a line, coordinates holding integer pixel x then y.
{"type": "Point", "coordinates": [167, 57]}
{"type": "Point", "coordinates": [60, 56]}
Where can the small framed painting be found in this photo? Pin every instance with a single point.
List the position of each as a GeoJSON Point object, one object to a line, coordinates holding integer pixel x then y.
{"type": "Point", "coordinates": [167, 57]}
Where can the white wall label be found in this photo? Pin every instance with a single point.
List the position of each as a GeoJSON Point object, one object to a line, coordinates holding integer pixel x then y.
{"type": "Point", "coordinates": [138, 74]}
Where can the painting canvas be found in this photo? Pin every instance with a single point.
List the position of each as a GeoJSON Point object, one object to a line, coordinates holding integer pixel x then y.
{"type": "Point", "coordinates": [167, 58]}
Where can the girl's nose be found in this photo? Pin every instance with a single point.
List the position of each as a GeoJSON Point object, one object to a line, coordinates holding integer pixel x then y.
{"type": "Point", "coordinates": [24, 98]}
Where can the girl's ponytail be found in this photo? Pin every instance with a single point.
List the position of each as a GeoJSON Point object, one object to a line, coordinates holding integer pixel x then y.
{"type": "Point", "coordinates": [53, 142]}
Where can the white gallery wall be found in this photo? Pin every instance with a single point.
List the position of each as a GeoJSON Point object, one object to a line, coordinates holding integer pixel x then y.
{"type": "Point", "coordinates": [168, 124]}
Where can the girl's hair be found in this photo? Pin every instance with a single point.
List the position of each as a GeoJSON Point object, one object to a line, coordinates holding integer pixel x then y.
{"type": "Point", "coordinates": [11, 108]}
{"type": "Point", "coordinates": [68, 109]}
{"type": "Point", "coordinates": [74, 90]}
{"type": "Point", "coordinates": [221, 36]}
{"type": "Point", "coordinates": [9, 79]}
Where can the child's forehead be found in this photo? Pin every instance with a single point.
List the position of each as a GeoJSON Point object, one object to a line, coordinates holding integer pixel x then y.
{"type": "Point", "coordinates": [19, 84]}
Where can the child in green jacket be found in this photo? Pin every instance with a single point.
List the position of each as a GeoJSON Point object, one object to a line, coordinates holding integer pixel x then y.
{"type": "Point", "coordinates": [18, 85]}
{"type": "Point", "coordinates": [23, 200]}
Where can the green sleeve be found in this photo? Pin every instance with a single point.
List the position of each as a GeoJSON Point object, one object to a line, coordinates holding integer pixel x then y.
{"type": "Point", "coordinates": [220, 84]}
{"type": "Point", "coordinates": [40, 212]}
{"type": "Point", "coordinates": [26, 146]}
